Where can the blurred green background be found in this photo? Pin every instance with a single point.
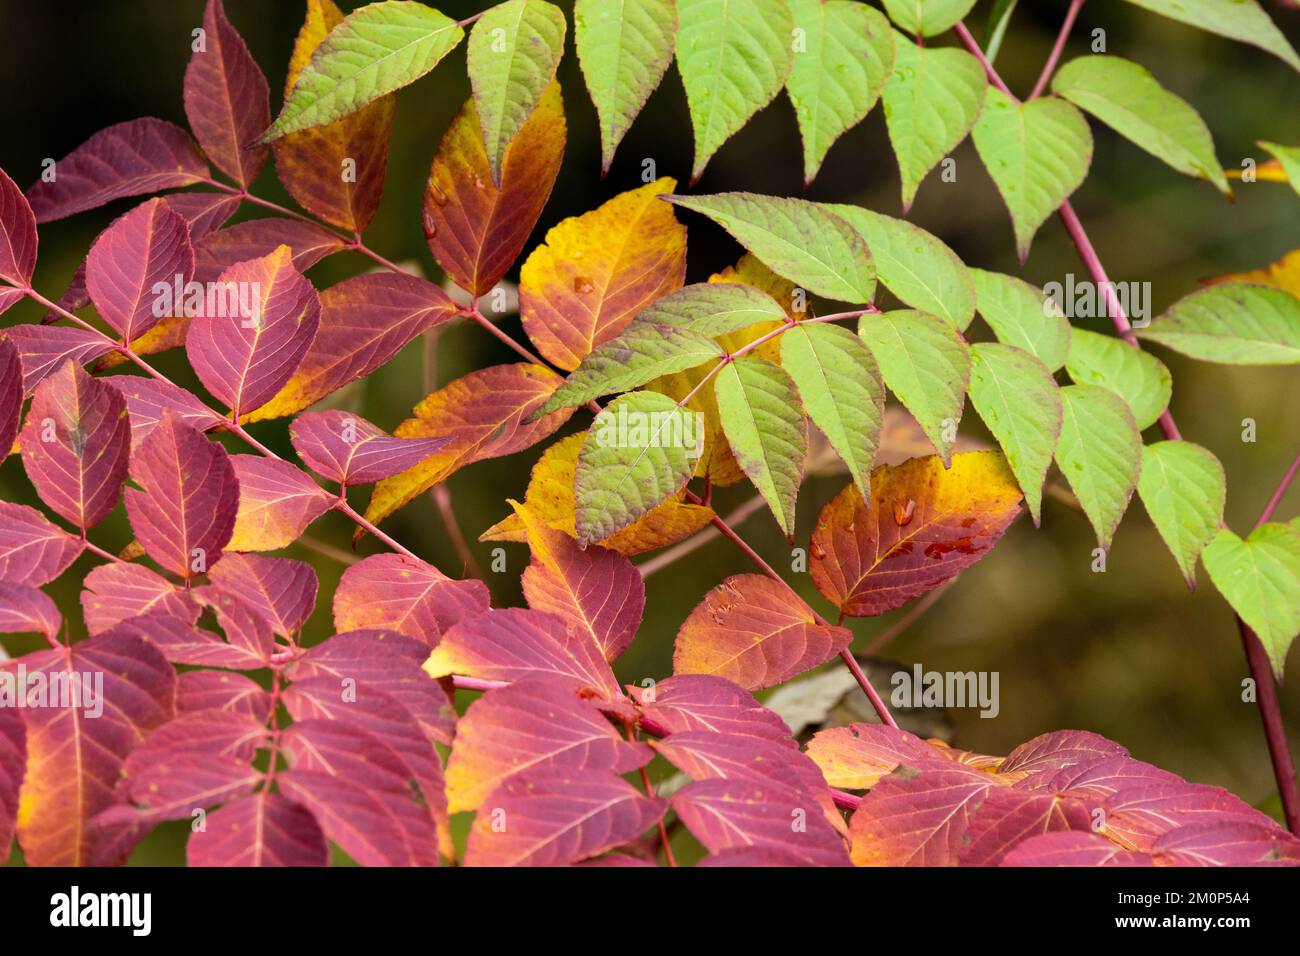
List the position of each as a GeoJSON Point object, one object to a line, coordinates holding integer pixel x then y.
{"type": "Point", "coordinates": [1128, 653]}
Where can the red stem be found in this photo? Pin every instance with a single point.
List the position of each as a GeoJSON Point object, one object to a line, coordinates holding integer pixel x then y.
{"type": "Point", "coordinates": [1054, 57]}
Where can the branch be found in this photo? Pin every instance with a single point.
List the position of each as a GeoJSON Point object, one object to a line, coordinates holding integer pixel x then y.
{"type": "Point", "coordinates": [1054, 57]}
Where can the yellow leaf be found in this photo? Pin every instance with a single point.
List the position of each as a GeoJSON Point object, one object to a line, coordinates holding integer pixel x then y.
{"type": "Point", "coordinates": [1283, 274]}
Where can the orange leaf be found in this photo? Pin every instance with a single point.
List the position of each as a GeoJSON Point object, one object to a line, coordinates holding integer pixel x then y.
{"type": "Point", "coordinates": [1283, 274]}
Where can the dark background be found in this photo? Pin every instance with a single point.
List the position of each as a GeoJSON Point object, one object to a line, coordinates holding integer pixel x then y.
{"type": "Point", "coordinates": [1129, 653]}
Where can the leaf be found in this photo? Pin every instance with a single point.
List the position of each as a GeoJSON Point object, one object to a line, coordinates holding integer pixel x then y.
{"type": "Point", "coordinates": [11, 396]}
{"type": "Point", "coordinates": [283, 592]}
{"type": "Point", "coordinates": [915, 266]}
{"type": "Point", "coordinates": [927, 17]}
{"type": "Point", "coordinates": [246, 357]}
{"type": "Point", "coordinates": [838, 73]}
{"type": "Point", "coordinates": [75, 445]}
{"type": "Point", "coordinates": [700, 702]}
{"type": "Point", "coordinates": [1100, 454]}
{"type": "Point", "coordinates": [755, 632]}
{"type": "Point", "coordinates": [127, 159]}
{"type": "Point", "coordinates": [556, 818]}
{"type": "Point", "coordinates": [1288, 158]}
{"type": "Point", "coordinates": [148, 247]}
{"type": "Point", "coordinates": [795, 238]}
{"type": "Point", "coordinates": [931, 102]}
{"type": "Point", "coordinates": [1283, 274]}
{"type": "Point", "coordinates": [1137, 377]}
{"type": "Point", "coordinates": [44, 348]}
{"type": "Point", "coordinates": [1227, 844]}
{"type": "Point", "coordinates": [73, 763]}
{"type": "Point", "coordinates": [1021, 315]}
{"type": "Point", "coordinates": [1072, 848]}
{"type": "Point", "coordinates": [181, 642]}
{"type": "Point", "coordinates": [500, 736]}
{"type": "Point", "coordinates": [734, 58]}
{"type": "Point", "coordinates": [714, 308]}
{"type": "Point", "coordinates": [640, 451]}
{"type": "Point", "coordinates": [25, 610]}
{"type": "Point", "coordinates": [378, 48]}
{"type": "Point", "coordinates": [996, 29]}
{"type": "Point", "coordinates": [1235, 323]}
{"type": "Point", "coordinates": [926, 364]}
{"type": "Point", "coordinates": [276, 504]}
{"type": "Point", "coordinates": [911, 819]}
{"type": "Point", "coordinates": [221, 690]}
{"type": "Point", "coordinates": [118, 592]}
{"type": "Point", "coordinates": [924, 524]}
{"type": "Point", "coordinates": [1048, 754]}
{"type": "Point", "coordinates": [17, 234]}
{"type": "Point", "coordinates": [311, 161]}
{"type": "Point", "coordinates": [1037, 152]}
{"type": "Point", "coordinates": [1260, 577]}
{"type": "Point", "coordinates": [859, 756]}
{"type": "Point", "coordinates": [596, 271]}
{"type": "Point", "coordinates": [476, 228]}
{"type": "Point", "coordinates": [264, 829]}
{"type": "Point", "coordinates": [624, 48]}
{"type": "Point", "coordinates": [13, 758]}
{"type": "Point", "coordinates": [1183, 488]}
{"type": "Point", "coordinates": [840, 387]}
{"type": "Point", "coordinates": [514, 643]}
{"type": "Point", "coordinates": [1020, 402]}
{"type": "Point", "coordinates": [1127, 98]}
{"type": "Point", "coordinates": [392, 592]}
{"type": "Point", "coordinates": [723, 814]}
{"type": "Point", "coordinates": [148, 399]}
{"type": "Point", "coordinates": [341, 447]}
{"type": "Point", "coordinates": [512, 54]}
{"type": "Point", "coordinates": [256, 238]}
{"type": "Point", "coordinates": [1007, 817]}
{"type": "Point", "coordinates": [763, 420]}
{"type": "Point", "coordinates": [203, 212]}
{"type": "Point", "coordinates": [597, 589]}
{"type": "Point", "coordinates": [33, 550]}
{"type": "Point", "coordinates": [1140, 815]}
{"type": "Point", "coordinates": [226, 98]}
{"type": "Point", "coordinates": [1243, 20]}
{"type": "Point", "coordinates": [186, 512]}
{"type": "Point", "coordinates": [484, 413]}
{"type": "Point", "coordinates": [364, 322]}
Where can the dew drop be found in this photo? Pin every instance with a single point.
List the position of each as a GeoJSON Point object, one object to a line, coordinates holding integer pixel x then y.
{"type": "Point", "coordinates": [583, 285]}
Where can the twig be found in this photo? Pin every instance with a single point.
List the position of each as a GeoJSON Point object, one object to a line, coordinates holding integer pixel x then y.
{"type": "Point", "coordinates": [699, 539]}
{"type": "Point", "coordinates": [914, 614]}
{"type": "Point", "coordinates": [1054, 57]}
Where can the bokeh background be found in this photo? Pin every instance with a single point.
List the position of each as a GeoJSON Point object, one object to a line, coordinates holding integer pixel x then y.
{"type": "Point", "coordinates": [1128, 653]}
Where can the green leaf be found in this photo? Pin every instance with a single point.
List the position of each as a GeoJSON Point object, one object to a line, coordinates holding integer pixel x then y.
{"type": "Point", "coordinates": [797, 239]}
{"type": "Point", "coordinates": [513, 51]}
{"type": "Point", "coordinates": [1243, 20]}
{"type": "Point", "coordinates": [1260, 577]}
{"type": "Point", "coordinates": [1289, 158]}
{"type": "Point", "coordinates": [1021, 404]}
{"type": "Point", "coordinates": [1127, 98]}
{"type": "Point", "coordinates": [640, 451]}
{"type": "Point", "coordinates": [1236, 323]}
{"type": "Point", "coordinates": [1136, 376]}
{"type": "Point", "coordinates": [764, 424]}
{"type": "Point", "coordinates": [714, 308]}
{"type": "Point", "coordinates": [1037, 153]}
{"type": "Point", "coordinates": [1100, 454]}
{"type": "Point", "coordinates": [996, 31]}
{"type": "Point", "coordinates": [624, 48]}
{"type": "Point", "coordinates": [840, 385]}
{"type": "Point", "coordinates": [1022, 315]}
{"type": "Point", "coordinates": [1183, 488]}
{"type": "Point", "coordinates": [914, 265]}
{"type": "Point", "coordinates": [926, 364]}
{"type": "Point", "coordinates": [640, 353]}
{"type": "Point", "coordinates": [931, 102]}
{"type": "Point", "coordinates": [927, 17]}
{"type": "Point", "coordinates": [377, 49]}
{"type": "Point", "coordinates": [839, 70]}
{"type": "Point", "coordinates": [733, 58]}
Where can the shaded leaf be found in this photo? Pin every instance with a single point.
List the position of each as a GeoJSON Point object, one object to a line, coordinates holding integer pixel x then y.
{"type": "Point", "coordinates": [701, 702]}
{"type": "Point", "coordinates": [1243, 20]}
{"type": "Point", "coordinates": [44, 348]}
{"type": "Point", "coordinates": [256, 238]}
{"type": "Point", "coordinates": [149, 399]}
{"type": "Point", "coordinates": [26, 610]}
{"type": "Point", "coordinates": [17, 234]}
{"type": "Point", "coordinates": [264, 829]}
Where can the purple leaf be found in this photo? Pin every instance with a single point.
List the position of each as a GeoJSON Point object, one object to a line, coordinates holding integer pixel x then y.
{"type": "Point", "coordinates": [265, 829]}
{"type": "Point", "coordinates": [243, 356]}
{"type": "Point", "coordinates": [557, 817]}
{"type": "Point", "coordinates": [277, 501]}
{"type": "Point", "coordinates": [281, 590]}
{"type": "Point", "coordinates": [701, 702]}
{"type": "Point", "coordinates": [147, 247]}
{"type": "Point", "coordinates": [392, 592]}
{"type": "Point", "coordinates": [25, 610]}
{"type": "Point", "coordinates": [1099, 780]}
{"type": "Point", "coordinates": [1231, 843]}
{"type": "Point", "coordinates": [257, 238]}
{"type": "Point", "coordinates": [147, 399]}
{"type": "Point", "coordinates": [13, 761]}
{"type": "Point", "coordinates": [9, 297]}
{"type": "Point", "coordinates": [226, 99]}
{"type": "Point", "coordinates": [186, 512]}
{"type": "Point", "coordinates": [342, 447]}
{"type": "Point", "coordinates": [203, 212]}
{"type": "Point", "coordinates": [1049, 753]}
{"type": "Point", "coordinates": [1138, 816]}
{"type": "Point", "coordinates": [44, 348]}
{"type": "Point", "coordinates": [1008, 817]}
{"type": "Point", "coordinates": [183, 643]}
{"type": "Point", "coordinates": [244, 626]}
{"type": "Point", "coordinates": [1073, 849]}
{"type": "Point", "coordinates": [221, 690]}
{"type": "Point", "coordinates": [128, 159]}
{"type": "Point", "coordinates": [32, 550]}
{"type": "Point", "coordinates": [76, 444]}
{"type": "Point", "coordinates": [118, 592]}
{"type": "Point", "coordinates": [17, 234]}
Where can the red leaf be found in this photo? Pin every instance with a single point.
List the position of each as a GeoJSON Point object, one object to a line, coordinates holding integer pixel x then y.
{"type": "Point", "coordinates": [13, 761]}
{"type": "Point", "coordinates": [165, 772]}
{"type": "Point", "coordinates": [1008, 817]}
{"type": "Point", "coordinates": [148, 246]}
{"type": "Point", "coordinates": [243, 359]}
{"type": "Point", "coordinates": [220, 690]}
{"type": "Point", "coordinates": [557, 817]}
{"type": "Point", "coordinates": [25, 610]}
{"type": "Point", "coordinates": [697, 702]}
{"type": "Point", "coordinates": [138, 156]}
{"type": "Point", "coordinates": [392, 592]}
{"type": "Point", "coordinates": [44, 348]}
{"type": "Point", "coordinates": [244, 626]}
{"type": "Point", "coordinates": [226, 99]}
{"type": "Point", "coordinates": [917, 819]}
{"type": "Point", "coordinates": [32, 550]}
{"type": "Point", "coordinates": [723, 814]}
{"type": "Point", "coordinates": [281, 590]}
{"type": "Point", "coordinates": [186, 513]}
{"type": "Point", "coordinates": [76, 444]}
{"type": "Point", "coordinates": [183, 643]}
{"type": "Point", "coordinates": [148, 399]}
{"type": "Point", "coordinates": [265, 829]}
{"type": "Point", "coordinates": [277, 501]}
{"type": "Point", "coordinates": [1049, 753]}
{"type": "Point", "coordinates": [1230, 843]}
{"type": "Point", "coordinates": [17, 234]}
{"type": "Point", "coordinates": [118, 592]}
{"type": "Point", "coordinates": [1092, 779]}
{"type": "Point", "coordinates": [756, 632]}
{"type": "Point", "coordinates": [11, 396]}
{"type": "Point", "coordinates": [203, 212]}
{"type": "Point", "coordinates": [1138, 816]}
{"type": "Point", "coordinates": [257, 238]}
{"type": "Point", "coordinates": [342, 447]}
{"type": "Point", "coordinates": [1073, 849]}
{"type": "Point", "coordinates": [9, 297]}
